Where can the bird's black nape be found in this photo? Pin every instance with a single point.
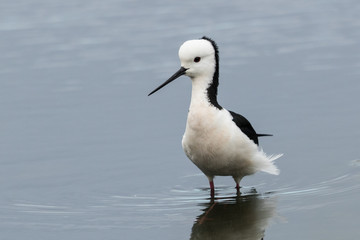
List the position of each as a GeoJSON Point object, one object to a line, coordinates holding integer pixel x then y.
{"type": "Point", "coordinates": [212, 89]}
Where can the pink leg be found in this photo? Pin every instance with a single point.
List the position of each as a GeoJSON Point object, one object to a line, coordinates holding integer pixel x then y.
{"type": "Point", "coordinates": [237, 181]}
{"type": "Point", "coordinates": [212, 188]}
{"type": "Point", "coordinates": [237, 187]}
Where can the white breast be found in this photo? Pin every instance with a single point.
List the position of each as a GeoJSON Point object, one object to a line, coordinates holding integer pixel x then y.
{"type": "Point", "coordinates": [214, 143]}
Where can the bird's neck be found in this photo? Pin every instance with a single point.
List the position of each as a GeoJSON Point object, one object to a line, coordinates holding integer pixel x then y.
{"type": "Point", "coordinates": [204, 93]}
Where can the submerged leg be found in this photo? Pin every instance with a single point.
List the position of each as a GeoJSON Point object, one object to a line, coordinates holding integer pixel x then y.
{"type": "Point", "coordinates": [212, 188]}
{"type": "Point", "coordinates": [237, 181]}
{"type": "Point", "coordinates": [238, 193]}
{"type": "Point", "coordinates": [237, 187]}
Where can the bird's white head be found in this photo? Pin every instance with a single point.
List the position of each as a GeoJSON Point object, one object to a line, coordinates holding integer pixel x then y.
{"type": "Point", "coordinates": [200, 61]}
{"type": "Point", "coordinates": [198, 58]}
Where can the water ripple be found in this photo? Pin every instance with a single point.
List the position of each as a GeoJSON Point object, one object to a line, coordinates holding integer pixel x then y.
{"type": "Point", "coordinates": [174, 206]}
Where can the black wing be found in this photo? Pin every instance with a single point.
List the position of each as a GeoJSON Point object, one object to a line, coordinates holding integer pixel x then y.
{"type": "Point", "coordinates": [245, 126]}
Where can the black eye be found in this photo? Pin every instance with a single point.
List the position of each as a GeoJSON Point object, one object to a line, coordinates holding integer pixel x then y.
{"type": "Point", "coordinates": [197, 59]}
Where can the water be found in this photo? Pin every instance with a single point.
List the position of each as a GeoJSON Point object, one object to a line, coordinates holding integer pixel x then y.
{"type": "Point", "coordinates": [85, 154]}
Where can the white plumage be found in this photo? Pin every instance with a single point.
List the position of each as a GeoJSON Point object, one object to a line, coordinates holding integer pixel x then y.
{"type": "Point", "coordinates": [213, 138]}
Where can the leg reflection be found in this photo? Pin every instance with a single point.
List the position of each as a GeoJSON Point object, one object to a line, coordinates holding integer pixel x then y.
{"type": "Point", "coordinates": [241, 217]}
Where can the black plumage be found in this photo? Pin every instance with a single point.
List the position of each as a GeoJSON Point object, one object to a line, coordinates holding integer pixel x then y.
{"type": "Point", "coordinates": [239, 120]}
{"type": "Point", "coordinates": [246, 128]}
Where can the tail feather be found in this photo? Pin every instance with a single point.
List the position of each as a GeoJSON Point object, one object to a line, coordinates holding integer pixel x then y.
{"type": "Point", "coordinates": [269, 166]}
{"type": "Point", "coordinates": [274, 157]}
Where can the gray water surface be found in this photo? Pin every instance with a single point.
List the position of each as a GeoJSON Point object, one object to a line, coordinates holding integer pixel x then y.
{"type": "Point", "coordinates": [85, 154]}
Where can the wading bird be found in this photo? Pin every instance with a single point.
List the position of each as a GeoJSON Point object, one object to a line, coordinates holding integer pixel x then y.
{"type": "Point", "coordinates": [219, 142]}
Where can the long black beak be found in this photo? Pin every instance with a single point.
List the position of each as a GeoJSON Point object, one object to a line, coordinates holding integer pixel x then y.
{"type": "Point", "coordinates": [179, 73]}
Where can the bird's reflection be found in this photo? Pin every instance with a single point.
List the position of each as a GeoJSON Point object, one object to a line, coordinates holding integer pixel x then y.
{"type": "Point", "coordinates": [240, 217]}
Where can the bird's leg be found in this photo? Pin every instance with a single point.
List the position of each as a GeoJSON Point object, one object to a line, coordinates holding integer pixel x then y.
{"type": "Point", "coordinates": [237, 188]}
{"type": "Point", "coordinates": [237, 181]}
{"type": "Point", "coordinates": [212, 188]}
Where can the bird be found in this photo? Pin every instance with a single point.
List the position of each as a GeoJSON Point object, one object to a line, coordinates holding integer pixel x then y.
{"type": "Point", "coordinates": [218, 141]}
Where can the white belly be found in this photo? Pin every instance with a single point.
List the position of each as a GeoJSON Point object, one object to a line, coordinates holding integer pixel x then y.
{"type": "Point", "coordinates": [214, 143]}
